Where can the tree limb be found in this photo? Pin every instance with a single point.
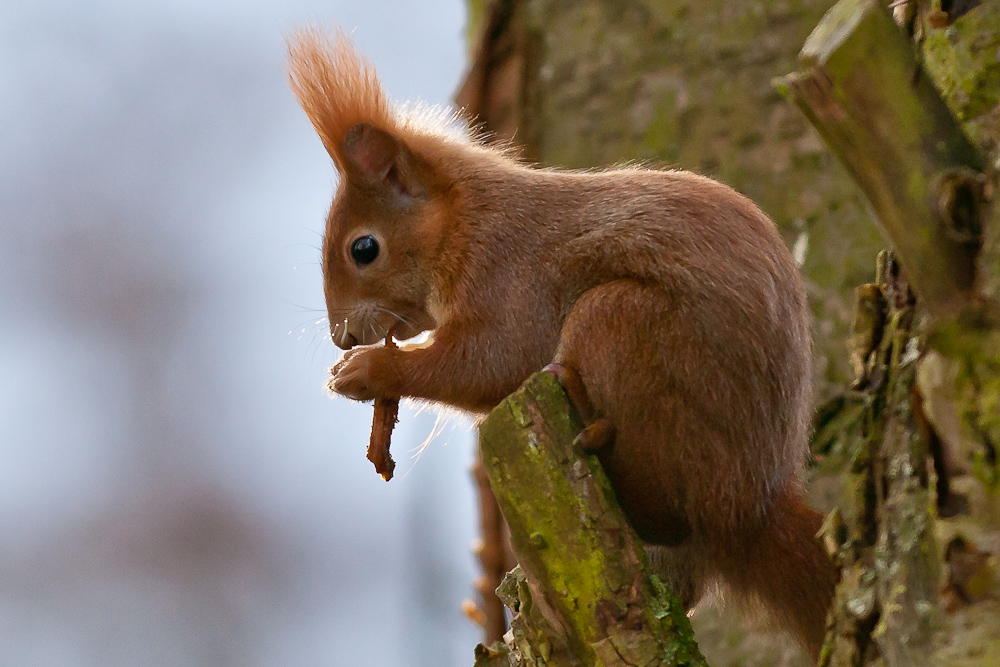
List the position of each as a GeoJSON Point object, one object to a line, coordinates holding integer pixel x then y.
{"type": "Point", "coordinates": [861, 86]}
{"type": "Point", "coordinates": [583, 565]}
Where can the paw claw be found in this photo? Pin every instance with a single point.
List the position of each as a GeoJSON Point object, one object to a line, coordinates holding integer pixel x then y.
{"type": "Point", "coordinates": [362, 375]}
{"type": "Point", "coordinates": [599, 431]}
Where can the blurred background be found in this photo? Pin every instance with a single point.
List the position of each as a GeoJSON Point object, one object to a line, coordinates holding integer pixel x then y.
{"type": "Point", "coordinates": [176, 487]}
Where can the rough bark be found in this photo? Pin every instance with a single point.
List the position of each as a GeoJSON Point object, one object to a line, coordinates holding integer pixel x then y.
{"type": "Point", "coordinates": [918, 522]}
{"type": "Point", "coordinates": [681, 83]}
{"type": "Point", "coordinates": [961, 54]}
{"type": "Point", "coordinates": [882, 536]}
{"type": "Point", "coordinates": [584, 598]}
{"type": "Point", "coordinates": [861, 86]}
{"type": "Point", "coordinates": [686, 83]}
{"type": "Point", "coordinates": [594, 82]}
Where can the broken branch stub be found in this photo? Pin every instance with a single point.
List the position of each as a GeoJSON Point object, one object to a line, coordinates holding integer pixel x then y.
{"type": "Point", "coordinates": [862, 88]}
{"type": "Point", "coordinates": [583, 564]}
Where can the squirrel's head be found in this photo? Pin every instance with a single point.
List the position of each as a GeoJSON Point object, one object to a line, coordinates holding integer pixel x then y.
{"type": "Point", "coordinates": [382, 236]}
{"type": "Point", "coordinates": [385, 236]}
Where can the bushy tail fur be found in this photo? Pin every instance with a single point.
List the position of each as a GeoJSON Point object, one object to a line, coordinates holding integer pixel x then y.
{"type": "Point", "coordinates": [784, 571]}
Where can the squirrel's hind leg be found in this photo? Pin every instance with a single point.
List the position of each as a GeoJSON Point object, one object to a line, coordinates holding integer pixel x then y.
{"type": "Point", "coordinates": [613, 338]}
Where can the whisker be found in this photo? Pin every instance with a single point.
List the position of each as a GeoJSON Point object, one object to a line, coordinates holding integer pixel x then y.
{"type": "Point", "coordinates": [335, 332]}
{"type": "Point", "coordinates": [309, 347]}
{"type": "Point", "coordinates": [315, 324]}
{"type": "Point", "coordinates": [304, 308]}
{"type": "Point", "coordinates": [301, 243]}
{"type": "Point", "coordinates": [317, 344]}
{"type": "Point", "coordinates": [394, 314]}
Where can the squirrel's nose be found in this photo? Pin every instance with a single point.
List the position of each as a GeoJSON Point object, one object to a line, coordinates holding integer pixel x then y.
{"type": "Point", "coordinates": [344, 340]}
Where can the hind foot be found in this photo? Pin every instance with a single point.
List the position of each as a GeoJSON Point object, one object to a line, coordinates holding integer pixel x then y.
{"type": "Point", "coordinates": [599, 431]}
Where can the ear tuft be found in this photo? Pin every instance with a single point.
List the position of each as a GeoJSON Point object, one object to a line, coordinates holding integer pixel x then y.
{"type": "Point", "coordinates": [337, 88]}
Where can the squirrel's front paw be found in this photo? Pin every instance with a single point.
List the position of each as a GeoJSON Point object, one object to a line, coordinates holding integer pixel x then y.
{"type": "Point", "coordinates": [365, 374]}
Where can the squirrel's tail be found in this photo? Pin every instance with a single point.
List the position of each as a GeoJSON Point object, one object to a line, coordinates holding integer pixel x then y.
{"type": "Point", "coordinates": [784, 571]}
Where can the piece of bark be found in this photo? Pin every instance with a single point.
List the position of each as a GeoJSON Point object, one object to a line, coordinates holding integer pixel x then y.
{"type": "Point", "coordinates": [883, 533]}
{"type": "Point", "coordinates": [383, 421]}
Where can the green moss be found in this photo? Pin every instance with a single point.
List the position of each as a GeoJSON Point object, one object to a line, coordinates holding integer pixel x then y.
{"type": "Point", "coordinates": [977, 388]}
{"type": "Point", "coordinates": [668, 612]}
{"type": "Point", "coordinates": [570, 536]}
{"type": "Point", "coordinates": [963, 61]}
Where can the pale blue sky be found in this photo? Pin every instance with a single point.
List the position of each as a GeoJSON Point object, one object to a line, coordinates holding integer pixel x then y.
{"type": "Point", "coordinates": [175, 486]}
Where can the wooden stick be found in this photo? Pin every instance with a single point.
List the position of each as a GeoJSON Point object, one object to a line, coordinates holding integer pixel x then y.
{"type": "Point", "coordinates": [492, 554]}
{"type": "Point", "coordinates": [383, 421]}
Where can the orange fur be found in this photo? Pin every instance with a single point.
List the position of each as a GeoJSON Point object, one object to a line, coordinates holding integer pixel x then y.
{"type": "Point", "coordinates": [336, 87]}
{"type": "Point", "coordinates": [671, 296]}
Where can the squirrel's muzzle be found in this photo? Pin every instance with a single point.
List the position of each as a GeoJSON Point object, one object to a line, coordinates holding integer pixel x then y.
{"type": "Point", "coordinates": [343, 338]}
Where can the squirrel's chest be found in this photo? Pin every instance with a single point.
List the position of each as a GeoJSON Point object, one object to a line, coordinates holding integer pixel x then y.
{"type": "Point", "coordinates": [437, 308]}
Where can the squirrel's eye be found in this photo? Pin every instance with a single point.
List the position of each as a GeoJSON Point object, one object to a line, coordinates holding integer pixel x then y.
{"type": "Point", "coordinates": [364, 250]}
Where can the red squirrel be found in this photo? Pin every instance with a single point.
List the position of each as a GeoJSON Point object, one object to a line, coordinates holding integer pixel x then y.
{"type": "Point", "coordinates": [669, 302]}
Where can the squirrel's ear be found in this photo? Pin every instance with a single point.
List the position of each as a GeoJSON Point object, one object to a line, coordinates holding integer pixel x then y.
{"type": "Point", "coordinates": [377, 158]}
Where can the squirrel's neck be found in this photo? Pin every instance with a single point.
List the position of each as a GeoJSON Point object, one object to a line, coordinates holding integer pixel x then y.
{"type": "Point", "coordinates": [503, 240]}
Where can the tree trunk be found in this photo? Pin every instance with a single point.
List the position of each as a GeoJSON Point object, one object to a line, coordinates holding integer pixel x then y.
{"type": "Point", "coordinates": [687, 84]}
{"type": "Point", "coordinates": [919, 520]}
{"type": "Point", "coordinates": [594, 82]}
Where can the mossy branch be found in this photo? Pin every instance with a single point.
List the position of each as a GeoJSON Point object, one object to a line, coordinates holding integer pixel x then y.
{"type": "Point", "coordinates": [884, 529]}
{"type": "Point", "coordinates": [861, 86]}
{"type": "Point", "coordinates": [585, 597]}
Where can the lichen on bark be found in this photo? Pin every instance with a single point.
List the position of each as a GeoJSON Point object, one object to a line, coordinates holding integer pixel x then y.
{"type": "Point", "coordinates": [882, 536]}
{"type": "Point", "coordinates": [585, 597]}
{"type": "Point", "coordinates": [916, 527]}
{"type": "Point", "coordinates": [961, 58]}
{"type": "Point", "coordinates": [685, 84]}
